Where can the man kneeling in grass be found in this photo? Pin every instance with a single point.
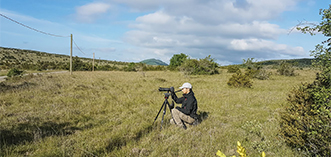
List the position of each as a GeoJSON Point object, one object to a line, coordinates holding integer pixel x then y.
{"type": "Point", "coordinates": [188, 112]}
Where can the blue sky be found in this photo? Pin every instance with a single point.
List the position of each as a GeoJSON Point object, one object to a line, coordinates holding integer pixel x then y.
{"type": "Point", "coordinates": [133, 30]}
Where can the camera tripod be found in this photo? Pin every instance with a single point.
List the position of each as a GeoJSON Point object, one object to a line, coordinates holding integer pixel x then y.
{"type": "Point", "coordinates": [164, 106]}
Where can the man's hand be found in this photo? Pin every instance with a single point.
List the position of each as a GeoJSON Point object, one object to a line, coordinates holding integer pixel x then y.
{"type": "Point", "coordinates": [173, 94]}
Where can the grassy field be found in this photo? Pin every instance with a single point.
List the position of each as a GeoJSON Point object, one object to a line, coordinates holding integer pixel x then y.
{"type": "Point", "coordinates": [111, 114]}
{"type": "Point", "coordinates": [3, 72]}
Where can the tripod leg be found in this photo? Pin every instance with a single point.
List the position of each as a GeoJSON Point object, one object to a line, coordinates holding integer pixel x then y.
{"type": "Point", "coordinates": [164, 110]}
{"type": "Point", "coordinates": [159, 112]}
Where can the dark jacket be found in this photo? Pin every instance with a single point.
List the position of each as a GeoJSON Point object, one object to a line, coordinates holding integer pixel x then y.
{"type": "Point", "coordinates": [189, 104]}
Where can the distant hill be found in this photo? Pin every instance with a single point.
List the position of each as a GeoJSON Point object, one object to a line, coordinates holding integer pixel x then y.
{"type": "Point", "coordinates": [154, 62]}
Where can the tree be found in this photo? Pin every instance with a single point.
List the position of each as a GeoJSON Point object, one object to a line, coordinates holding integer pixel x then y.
{"type": "Point", "coordinates": [322, 52]}
{"type": "Point", "coordinates": [177, 60]}
{"type": "Point", "coordinates": [306, 121]}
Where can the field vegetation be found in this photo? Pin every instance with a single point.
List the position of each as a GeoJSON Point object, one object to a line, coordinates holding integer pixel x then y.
{"type": "Point", "coordinates": [284, 111]}
{"type": "Point", "coordinates": [110, 113]}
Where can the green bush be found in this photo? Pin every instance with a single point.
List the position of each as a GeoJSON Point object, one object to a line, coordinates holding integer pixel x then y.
{"type": "Point", "coordinates": [240, 80]}
{"type": "Point", "coordinates": [305, 123]}
{"type": "Point", "coordinates": [205, 66]}
{"type": "Point", "coordinates": [252, 72]}
{"type": "Point", "coordinates": [130, 67]}
{"type": "Point", "coordinates": [262, 74]}
{"type": "Point", "coordinates": [14, 72]}
{"type": "Point", "coordinates": [255, 70]}
{"type": "Point", "coordinates": [286, 69]}
{"type": "Point", "coordinates": [176, 61]}
{"type": "Point", "coordinates": [233, 68]}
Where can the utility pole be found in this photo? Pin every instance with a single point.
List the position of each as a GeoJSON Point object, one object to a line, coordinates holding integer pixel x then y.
{"type": "Point", "coordinates": [71, 54]}
{"type": "Point", "coordinates": [93, 63]}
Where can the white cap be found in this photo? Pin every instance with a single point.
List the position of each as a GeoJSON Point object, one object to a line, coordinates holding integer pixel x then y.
{"type": "Point", "coordinates": [186, 85]}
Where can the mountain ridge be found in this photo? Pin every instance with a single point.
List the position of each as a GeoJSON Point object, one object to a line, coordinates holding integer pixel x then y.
{"type": "Point", "coordinates": [153, 61]}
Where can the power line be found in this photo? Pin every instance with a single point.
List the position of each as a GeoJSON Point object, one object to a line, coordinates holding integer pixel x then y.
{"type": "Point", "coordinates": [31, 27]}
{"type": "Point", "coordinates": [78, 48]}
{"type": "Point", "coordinates": [40, 31]}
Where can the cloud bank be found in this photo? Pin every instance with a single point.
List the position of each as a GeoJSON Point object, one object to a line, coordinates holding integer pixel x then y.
{"type": "Point", "coordinates": [228, 30]}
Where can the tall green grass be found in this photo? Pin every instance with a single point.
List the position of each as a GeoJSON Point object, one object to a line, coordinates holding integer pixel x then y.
{"type": "Point", "coordinates": [111, 114]}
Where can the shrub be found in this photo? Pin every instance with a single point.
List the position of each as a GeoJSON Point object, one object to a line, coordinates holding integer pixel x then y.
{"type": "Point", "coordinates": [255, 70]}
{"type": "Point", "coordinates": [205, 66]}
{"type": "Point", "coordinates": [240, 80]}
{"type": "Point", "coordinates": [14, 72]}
{"type": "Point", "coordinates": [189, 66]}
{"type": "Point", "coordinates": [286, 69]}
{"type": "Point", "coordinates": [251, 72]}
{"type": "Point", "coordinates": [79, 65]}
{"type": "Point", "coordinates": [130, 67]}
{"type": "Point", "coordinates": [233, 68]}
{"type": "Point", "coordinates": [305, 123]}
{"type": "Point", "coordinates": [106, 67]}
{"type": "Point", "coordinates": [262, 74]}
{"type": "Point", "coordinates": [176, 61]}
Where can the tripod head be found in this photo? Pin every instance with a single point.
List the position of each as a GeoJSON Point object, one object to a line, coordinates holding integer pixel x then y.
{"type": "Point", "coordinates": [166, 95]}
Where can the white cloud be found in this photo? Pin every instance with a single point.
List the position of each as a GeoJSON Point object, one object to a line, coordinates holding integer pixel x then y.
{"type": "Point", "coordinates": [264, 46]}
{"type": "Point", "coordinates": [155, 18]}
{"type": "Point", "coordinates": [89, 12]}
{"type": "Point", "coordinates": [228, 30]}
{"type": "Point", "coordinates": [222, 29]}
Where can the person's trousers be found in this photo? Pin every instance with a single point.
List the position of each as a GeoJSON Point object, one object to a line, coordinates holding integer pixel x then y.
{"type": "Point", "coordinates": [180, 117]}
